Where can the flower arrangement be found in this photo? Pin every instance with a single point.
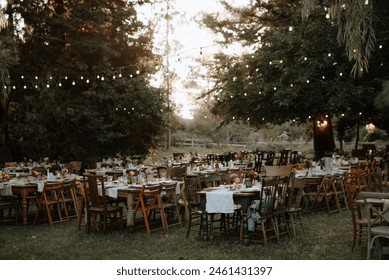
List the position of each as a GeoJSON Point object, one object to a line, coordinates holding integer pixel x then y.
{"type": "Point", "coordinates": [4, 176]}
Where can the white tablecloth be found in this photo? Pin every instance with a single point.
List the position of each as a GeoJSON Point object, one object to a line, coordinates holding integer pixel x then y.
{"type": "Point", "coordinates": [220, 201]}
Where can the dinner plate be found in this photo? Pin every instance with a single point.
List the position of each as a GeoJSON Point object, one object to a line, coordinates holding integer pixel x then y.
{"type": "Point", "coordinates": [249, 190]}
{"type": "Point", "coordinates": [168, 181]}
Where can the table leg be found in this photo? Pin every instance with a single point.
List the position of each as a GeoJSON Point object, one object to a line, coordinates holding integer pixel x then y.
{"type": "Point", "coordinates": [245, 234]}
{"type": "Point", "coordinates": [24, 208]}
{"type": "Point", "coordinates": [130, 212]}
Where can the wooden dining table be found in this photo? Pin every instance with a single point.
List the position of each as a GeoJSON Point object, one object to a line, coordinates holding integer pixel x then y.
{"type": "Point", "coordinates": [24, 189]}
{"type": "Point", "coordinates": [242, 198]}
{"type": "Point", "coordinates": [130, 192]}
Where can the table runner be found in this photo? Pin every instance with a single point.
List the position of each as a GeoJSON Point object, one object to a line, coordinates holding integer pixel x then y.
{"type": "Point", "coordinates": [220, 201]}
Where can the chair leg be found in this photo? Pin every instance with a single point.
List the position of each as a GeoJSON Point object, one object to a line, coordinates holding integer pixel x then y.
{"type": "Point", "coordinates": [292, 225]}
{"type": "Point", "coordinates": [49, 214]}
{"type": "Point", "coordinates": [189, 225]}
{"type": "Point", "coordinates": [88, 220]}
{"type": "Point", "coordinates": [264, 231]}
{"type": "Point", "coordinates": [146, 221]}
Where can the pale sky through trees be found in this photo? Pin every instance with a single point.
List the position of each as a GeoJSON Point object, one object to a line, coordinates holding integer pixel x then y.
{"type": "Point", "coordinates": [192, 43]}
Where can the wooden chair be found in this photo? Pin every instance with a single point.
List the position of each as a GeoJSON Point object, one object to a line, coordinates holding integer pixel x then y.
{"type": "Point", "coordinates": [162, 172]}
{"type": "Point", "coordinates": [52, 195]}
{"type": "Point", "coordinates": [98, 210]}
{"type": "Point", "coordinates": [280, 206]}
{"type": "Point", "coordinates": [170, 203]}
{"type": "Point", "coordinates": [294, 203]}
{"type": "Point", "coordinates": [38, 170]}
{"type": "Point", "coordinates": [283, 159]}
{"type": "Point", "coordinates": [351, 187]}
{"type": "Point", "coordinates": [53, 168]}
{"type": "Point", "coordinates": [212, 181]}
{"type": "Point", "coordinates": [374, 203]}
{"type": "Point", "coordinates": [294, 158]}
{"type": "Point", "coordinates": [326, 192]}
{"type": "Point", "coordinates": [177, 173]}
{"type": "Point", "coordinates": [9, 203]}
{"type": "Point", "coordinates": [72, 198]}
{"type": "Point", "coordinates": [68, 167]}
{"type": "Point", "coordinates": [235, 172]}
{"type": "Point", "coordinates": [359, 223]}
{"type": "Point", "coordinates": [76, 166]}
{"type": "Point", "coordinates": [182, 200]}
{"type": "Point", "coordinates": [258, 161]}
{"type": "Point", "coordinates": [374, 182]}
{"type": "Point", "coordinates": [149, 200]}
{"type": "Point", "coordinates": [309, 199]}
{"type": "Point", "coordinates": [340, 192]}
{"type": "Point", "coordinates": [269, 158]}
{"type": "Point", "coordinates": [268, 227]}
{"type": "Point", "coordinates": [195, 213]}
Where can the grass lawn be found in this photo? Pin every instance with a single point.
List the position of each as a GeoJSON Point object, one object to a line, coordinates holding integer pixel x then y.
{"type": "Point", "coordinates": [327, 237]}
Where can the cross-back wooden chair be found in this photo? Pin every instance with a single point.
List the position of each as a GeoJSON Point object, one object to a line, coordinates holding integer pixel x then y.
{"type": "Point", "coordinates": [378, 205]}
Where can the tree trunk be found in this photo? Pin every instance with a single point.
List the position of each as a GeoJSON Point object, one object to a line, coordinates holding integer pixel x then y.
{"type": "Point", "coordinates": [323, 136]}
{"type": "Point", "coordinates": [5, 149]}
{"type": "Point", "coordinates": [357, 137]}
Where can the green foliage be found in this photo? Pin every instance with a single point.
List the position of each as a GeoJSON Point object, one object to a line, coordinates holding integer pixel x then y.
{"type": "Point", "coordinates": [355, 23]}
{"type": "Point", "coordinates": [82, 89]}
{"type": "Point", "coordinates": [292, 70]}
{"type": "Point", "coordinates": [290, 76]}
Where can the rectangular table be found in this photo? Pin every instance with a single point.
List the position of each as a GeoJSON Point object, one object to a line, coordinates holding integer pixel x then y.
{"type": "Point", "coordinates": [130, 192]}
{"type": "Point", "coordinates": [243, 199]}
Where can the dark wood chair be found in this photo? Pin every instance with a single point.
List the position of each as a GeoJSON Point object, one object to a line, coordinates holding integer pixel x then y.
{"type": "Point", "coordinates": [283, 159]}
{"type": "Point", "coordinates": [194, 210]}
{"type": "Point", "coordinates": [170, 203]}
{"type": "Point", "coordinates": [269, 158]}
{"type": "Point", "coordinates": [9, 203]}
{"type": "Point", "coordinates": [294, 203]}
{"type": "Point", "coordinates": [76, 166]}
{"type": "Point", "coordinates": [98, 209]}
{"type": "Point", "coordinates": [265, 207]}
{"type": "Point", "coordinates": [294, 158]}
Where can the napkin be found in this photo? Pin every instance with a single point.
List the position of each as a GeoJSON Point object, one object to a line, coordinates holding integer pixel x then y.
{"type": "Point", "coordinates": [40, 186]}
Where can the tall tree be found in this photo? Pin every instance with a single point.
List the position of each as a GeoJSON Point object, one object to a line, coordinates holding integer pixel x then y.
{"type": "Point", "coordinates": [355, 22]}
{"type": "Point", "coordinates": [292, 70]}
{"type": "Point", "coordinates": [82, 87]}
